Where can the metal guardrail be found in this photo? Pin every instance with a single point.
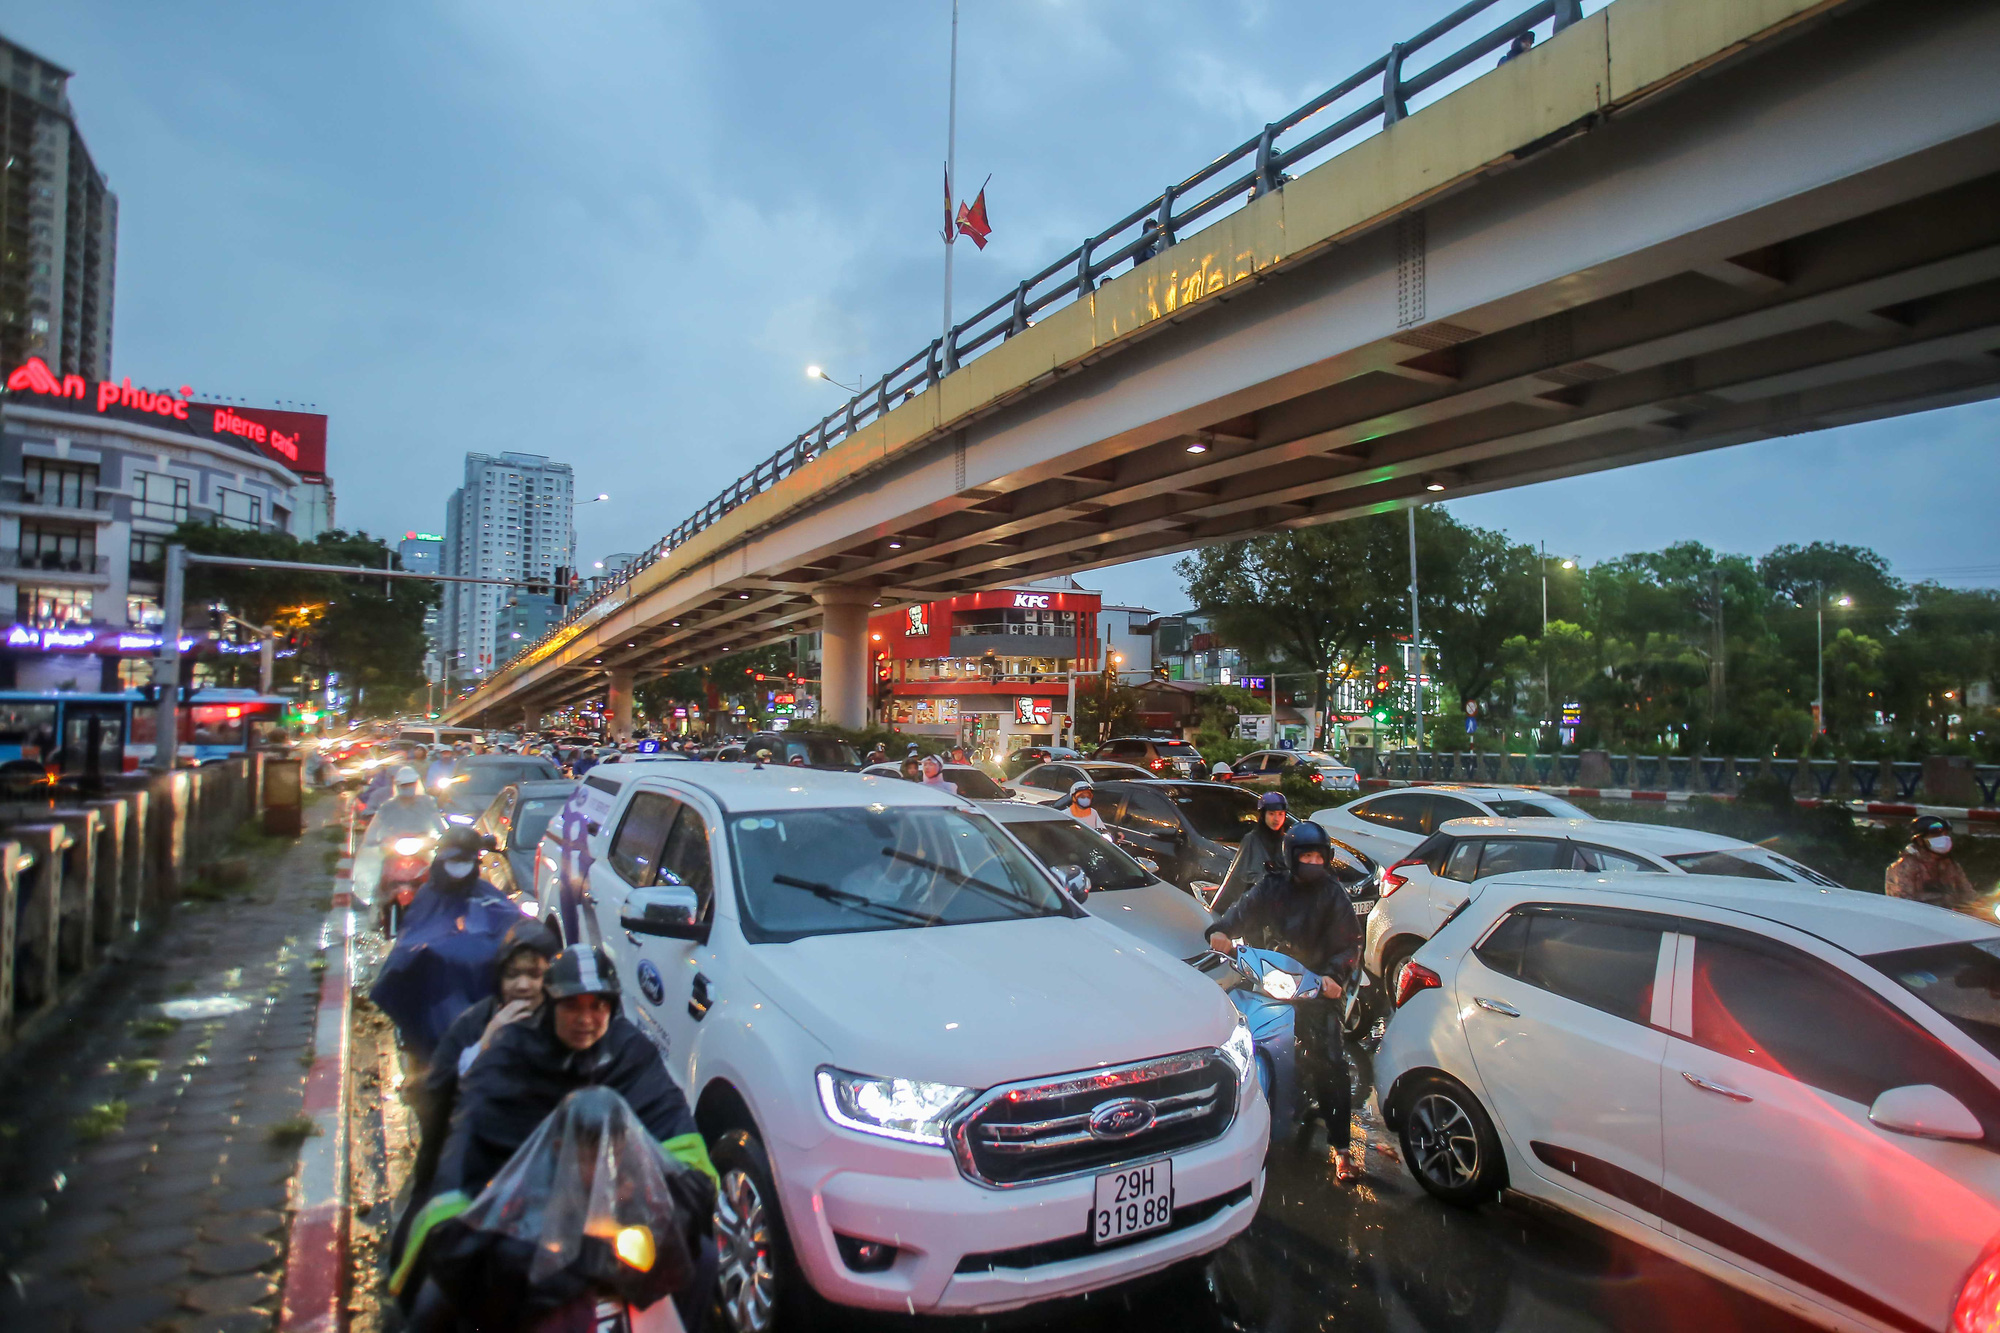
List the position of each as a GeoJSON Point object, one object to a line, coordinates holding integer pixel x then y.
{"type": "Point", "coordinates": [1255, 167]}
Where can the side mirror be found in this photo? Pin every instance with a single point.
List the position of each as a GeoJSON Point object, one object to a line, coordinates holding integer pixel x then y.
{"type": "Point", "coordinates": [1075, 882]}
{"type": "Point", "coordinates": [667, 910]}
{"type": "Point", "coordinates": [1925, 1111]}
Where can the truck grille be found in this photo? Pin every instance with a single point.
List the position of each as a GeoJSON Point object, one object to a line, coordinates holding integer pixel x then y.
{"type": "Point", "coordinates": [1071, 1124]}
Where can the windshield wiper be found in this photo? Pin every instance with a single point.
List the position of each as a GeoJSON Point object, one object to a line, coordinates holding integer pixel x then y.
{"type": "Point", "coordinates": [959, 877]}
{"type": "Point", "coordinates": [842, 896]}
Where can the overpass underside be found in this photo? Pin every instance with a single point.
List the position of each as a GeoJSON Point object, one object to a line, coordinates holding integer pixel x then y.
{"type": "Point", "coordinates": [1803, 233]}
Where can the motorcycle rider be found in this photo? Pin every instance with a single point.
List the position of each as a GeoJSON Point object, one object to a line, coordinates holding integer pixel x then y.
{"type": "Point", "coordinates": [409, 812]}
{"type": "Point", "coordinates": [444, 955]}
{"type": "Point", "coordinates": [1263, 847]}
{"type": "Point", "coordinates": [1298, 908]}
{"type": "Point", "coordinates": [1082, 807]}
{"type": "Point", "coordinates": [1926, 872]}
{"type": "Point", "coordinates": [519, 971]}
{"type": "Point", "coordinates": [578, 1040]}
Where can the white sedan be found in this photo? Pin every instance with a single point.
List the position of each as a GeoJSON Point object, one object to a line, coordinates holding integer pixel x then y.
{"type": "Point", "coordinates": [1793, 1089]}
{"type": "Point", "coordinates": [1439, 874]}
{"type": "Point", "coordinates": [1389, 823]}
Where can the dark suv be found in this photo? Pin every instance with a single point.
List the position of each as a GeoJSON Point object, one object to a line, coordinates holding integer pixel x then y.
{"type": "Point", "coordinates": [817, 751]}
{"type": "Point", "coordinates": [1168, 758]}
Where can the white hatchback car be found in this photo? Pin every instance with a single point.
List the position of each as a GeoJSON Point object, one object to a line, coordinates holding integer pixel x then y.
{"type": "Point", "coordinates": [1388, 824]}
{"type": "Point", "coordinates": [1050, 782]}
{"type": "Point", "coordinates": [870, 993]}
{"type": "Point", "coordinates": [1793, 1089]}
{"type": "Point", "coordinates": [1440, 873]}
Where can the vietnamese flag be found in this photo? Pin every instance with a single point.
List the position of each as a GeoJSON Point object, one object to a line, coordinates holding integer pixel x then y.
{"type": "Point", "coordinates": [972, 219]}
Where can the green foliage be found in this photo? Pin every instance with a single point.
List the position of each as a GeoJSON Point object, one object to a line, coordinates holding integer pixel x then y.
{"type": "Point", "coordinates": [100, 1121]}
{"type": "Point", "coordinates": [370, 632]}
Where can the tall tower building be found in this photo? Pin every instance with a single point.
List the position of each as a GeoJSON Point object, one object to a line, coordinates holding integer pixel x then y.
{"type": "Point", "coordinates": [58, 226]}
{"type": "Point", "coordinates": [423, 553]}
{"type": "Point", "coordinates": [512, 519]}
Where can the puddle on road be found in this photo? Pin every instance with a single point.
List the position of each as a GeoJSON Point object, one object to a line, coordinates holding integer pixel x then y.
{"type": "Point", "coordinates": [206, 1006]}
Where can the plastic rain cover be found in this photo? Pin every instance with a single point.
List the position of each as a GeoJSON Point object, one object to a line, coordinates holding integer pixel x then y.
{"type": "Point", "coordinates": [588, 1207]}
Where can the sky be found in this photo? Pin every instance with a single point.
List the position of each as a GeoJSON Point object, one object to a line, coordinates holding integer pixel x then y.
{"type": "Point", "coordinates": [615, 233]}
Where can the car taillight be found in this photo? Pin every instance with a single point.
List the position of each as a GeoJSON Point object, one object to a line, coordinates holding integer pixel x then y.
{"type": "Point", "coordinates": [1157, 765]}
{"type": "Point", "coordinates": [1415, 977]}
{"type": "Point", "coordinates": [1978, 1307]}
{"type": "Point", "coordinates": [1316, 776]}
{"type": "Point", "coordinates": [1391, 880]}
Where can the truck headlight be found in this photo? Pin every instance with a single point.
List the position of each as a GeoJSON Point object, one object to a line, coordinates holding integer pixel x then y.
{"type": "Point", "coordinates": [896, 1108]}
{"type": "Point", "coordinates": [1241, 1051]}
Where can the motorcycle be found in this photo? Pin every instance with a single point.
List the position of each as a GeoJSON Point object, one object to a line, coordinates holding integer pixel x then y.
{"type": "Point", "coordinates": [403, 873]}
{"type": "Point", "coordinates": [589, 1228]}
{"type": "Point", "coordinates": [1265, 985]}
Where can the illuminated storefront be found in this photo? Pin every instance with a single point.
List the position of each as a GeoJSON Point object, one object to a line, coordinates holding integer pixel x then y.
{"type": "Point", "coordinates": [990, 669]}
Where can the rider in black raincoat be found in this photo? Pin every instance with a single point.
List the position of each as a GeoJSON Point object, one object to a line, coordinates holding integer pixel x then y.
{"type": "Point", "coordinates": [529, 1068]}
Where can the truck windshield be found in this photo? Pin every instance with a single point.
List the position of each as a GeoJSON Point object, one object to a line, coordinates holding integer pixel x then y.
{"type": "Point", "coordinates": [831, 872]}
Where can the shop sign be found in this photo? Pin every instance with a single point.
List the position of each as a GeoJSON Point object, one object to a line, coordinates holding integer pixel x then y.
{"type": "Point", "coordinates": [86, 638]}
{"type": "Point", "coordinates": [1254, 682]}
{"type": "Point", "coordinates": [1033, 712]}
{"type": "Point", "coordinates": [1034, 601]}
{"type": "Point", "coordinates": [917, 622]}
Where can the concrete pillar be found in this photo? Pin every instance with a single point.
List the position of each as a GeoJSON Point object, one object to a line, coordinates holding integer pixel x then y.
{"type": "Point", "coordinates": [843, 655]}
{"type": "Point", "coordinates": [620, 703]}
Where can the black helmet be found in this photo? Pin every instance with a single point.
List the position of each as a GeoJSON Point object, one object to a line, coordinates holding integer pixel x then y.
{"type": "Point", "coordinates": [531, 934]}
{"type": "Point", "coordinates": [463, 839]}
{"type": "Point", "coordinates": [1272, 800]}
{"type": "Point", "coordinates": [581, 969]}
{"type": "Point", "coordinates": [1929, 826]}
{"type": "Point", "coordinates": [1305, 836]}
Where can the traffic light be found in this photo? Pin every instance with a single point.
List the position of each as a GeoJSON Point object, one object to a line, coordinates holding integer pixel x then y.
{"type": "Point", "coordinates": [1161, 674]}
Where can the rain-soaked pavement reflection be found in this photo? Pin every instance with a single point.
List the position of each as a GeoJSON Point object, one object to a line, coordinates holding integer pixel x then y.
{"type": "Point", "coordinates": [1379, 1254]}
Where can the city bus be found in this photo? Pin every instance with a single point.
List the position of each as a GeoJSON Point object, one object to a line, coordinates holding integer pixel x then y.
{"type": "Point", "coordinates": [58, 730]}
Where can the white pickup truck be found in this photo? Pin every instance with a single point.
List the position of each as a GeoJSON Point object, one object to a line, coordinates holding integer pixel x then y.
{"type": "Point", "coordinates": [930, 1082]}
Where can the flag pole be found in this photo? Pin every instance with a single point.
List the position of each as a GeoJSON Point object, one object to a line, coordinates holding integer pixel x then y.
{"type": "Point", "coordinates": [950, 152]}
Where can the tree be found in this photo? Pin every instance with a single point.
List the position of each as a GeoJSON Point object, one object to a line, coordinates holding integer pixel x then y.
{"type": "Point", "coordinates": [1476, 590]}
{"type": "Point", "coordinates": [368, 632]}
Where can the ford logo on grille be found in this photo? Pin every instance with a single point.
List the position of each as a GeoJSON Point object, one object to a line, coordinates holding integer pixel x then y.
{"type": "Point", "coordinates": [1121, 1119]}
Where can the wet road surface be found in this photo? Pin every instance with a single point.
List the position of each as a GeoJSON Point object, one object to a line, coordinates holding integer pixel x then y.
{"type": "Point", "coordinates": [1379, 1254]}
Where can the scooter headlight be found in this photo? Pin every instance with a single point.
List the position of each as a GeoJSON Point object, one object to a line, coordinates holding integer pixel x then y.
{"type": "Point", "coordinates": [1241, 1051]}
{"type": "Point", "coordinates": [408, 846]}
{"type": "Point", "coordinates": [1280, 984]}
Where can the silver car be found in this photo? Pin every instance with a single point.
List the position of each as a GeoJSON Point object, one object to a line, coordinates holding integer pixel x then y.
{"type": "Point", "coordinates": [1122, 890]}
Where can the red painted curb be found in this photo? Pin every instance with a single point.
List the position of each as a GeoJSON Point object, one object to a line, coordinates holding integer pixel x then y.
{"type": "Point", "coordinates": [1888, 808]}
{"type": "Point", "coordinates": [316, 1258]}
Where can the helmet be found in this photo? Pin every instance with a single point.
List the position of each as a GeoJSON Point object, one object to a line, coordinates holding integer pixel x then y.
{"type": "Point", "coordinates": [1272, 800]}
{"type": "Point", "coordinates": [581, 969]}
{"type": "Point", "coordinates": [1083, 787]}
{"type": "Point", "coordinates": [531, 934]}
{"type": "Point", "coordinates": [1306, 836]}
{"type": "Point", "coordinates": [462, 839]}
{"type": "Point", "coordinates": [407, 777]}
{"type": "Point", "coordinates": [1929, 826]}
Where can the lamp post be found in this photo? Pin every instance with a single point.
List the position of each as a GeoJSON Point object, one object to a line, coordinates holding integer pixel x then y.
{"type": "Point", "coordinates": [1548, 702]}
{"type": "Point", "coordinates": [816, 373]}
{"type": "Point", "coordinates": [1819, 657]}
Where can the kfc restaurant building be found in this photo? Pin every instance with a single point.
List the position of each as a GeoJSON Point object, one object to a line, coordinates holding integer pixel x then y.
{"type": "Point", "coordinates": [990, 669]}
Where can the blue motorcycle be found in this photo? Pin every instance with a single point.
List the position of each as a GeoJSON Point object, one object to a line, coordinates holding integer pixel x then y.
{"type": "Point", "coordinates": [1264, 985]}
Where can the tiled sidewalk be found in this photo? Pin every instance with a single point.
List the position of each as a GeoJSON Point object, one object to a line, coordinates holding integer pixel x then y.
{"type": "Point", "coordinates": [145, 1160]}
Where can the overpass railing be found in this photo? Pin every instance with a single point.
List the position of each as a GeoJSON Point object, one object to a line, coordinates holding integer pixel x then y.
{"type": "Point", "coordinates": [1260, 164]}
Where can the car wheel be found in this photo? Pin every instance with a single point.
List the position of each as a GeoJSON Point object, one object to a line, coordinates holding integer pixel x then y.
{"type": "Point", "coordinates": [1449, 1143]}
{"type": "Point", "coordinates": [758, 1283]}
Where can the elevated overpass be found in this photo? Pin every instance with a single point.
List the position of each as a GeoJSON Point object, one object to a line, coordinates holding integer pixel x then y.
{"type": "Point", "coordinates": [1673, 226]}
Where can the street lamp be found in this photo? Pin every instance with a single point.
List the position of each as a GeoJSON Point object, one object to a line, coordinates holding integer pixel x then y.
{"type": "Point", "coordinates": [1819, 636]}
{"type": "Point", "coordinates": [1548, 703]}
{"type": "Point", "coordinates": [815, 373]}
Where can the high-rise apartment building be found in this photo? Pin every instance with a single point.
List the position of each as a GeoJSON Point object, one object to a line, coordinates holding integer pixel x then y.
{"type": "Point", "coordinates": [423, 553]}
{"type": "Point", "coordinates": [58, 227]}
{"type": "Point", "coordinates": [512, 519]}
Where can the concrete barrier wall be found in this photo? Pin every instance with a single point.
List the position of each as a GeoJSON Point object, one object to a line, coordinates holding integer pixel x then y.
{"type": "Point", "coordinates": [81, 876]}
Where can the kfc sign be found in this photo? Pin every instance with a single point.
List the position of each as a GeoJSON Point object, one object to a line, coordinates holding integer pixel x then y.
{"type": "Point", "coordinates": [918, 623]}
{"type": "Point", "coordinates": [1033, 712]}
{"type": "Point", "coordinates": [1034, 601]}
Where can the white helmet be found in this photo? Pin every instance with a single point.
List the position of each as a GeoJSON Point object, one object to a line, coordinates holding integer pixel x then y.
{"type": "Point", "coordinates": [407, 777]}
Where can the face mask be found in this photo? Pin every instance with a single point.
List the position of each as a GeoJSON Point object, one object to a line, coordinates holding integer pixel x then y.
{"type": "Point", "coordinates": [1083, 801]}
{"type": "Point", "coordinates": [1311, 875]}
{"type": "Point", "coordinates": [456, 869]}
{"type": "Point", "coordinates": [1940, 844]}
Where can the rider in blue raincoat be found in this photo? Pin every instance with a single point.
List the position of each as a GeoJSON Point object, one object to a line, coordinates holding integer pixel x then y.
{"type": "Point", "coordinates": [444, 955]}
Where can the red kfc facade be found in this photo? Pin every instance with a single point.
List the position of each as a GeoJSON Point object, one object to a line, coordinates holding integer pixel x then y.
{"type": "Point", "coordinates": [990, 669]}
